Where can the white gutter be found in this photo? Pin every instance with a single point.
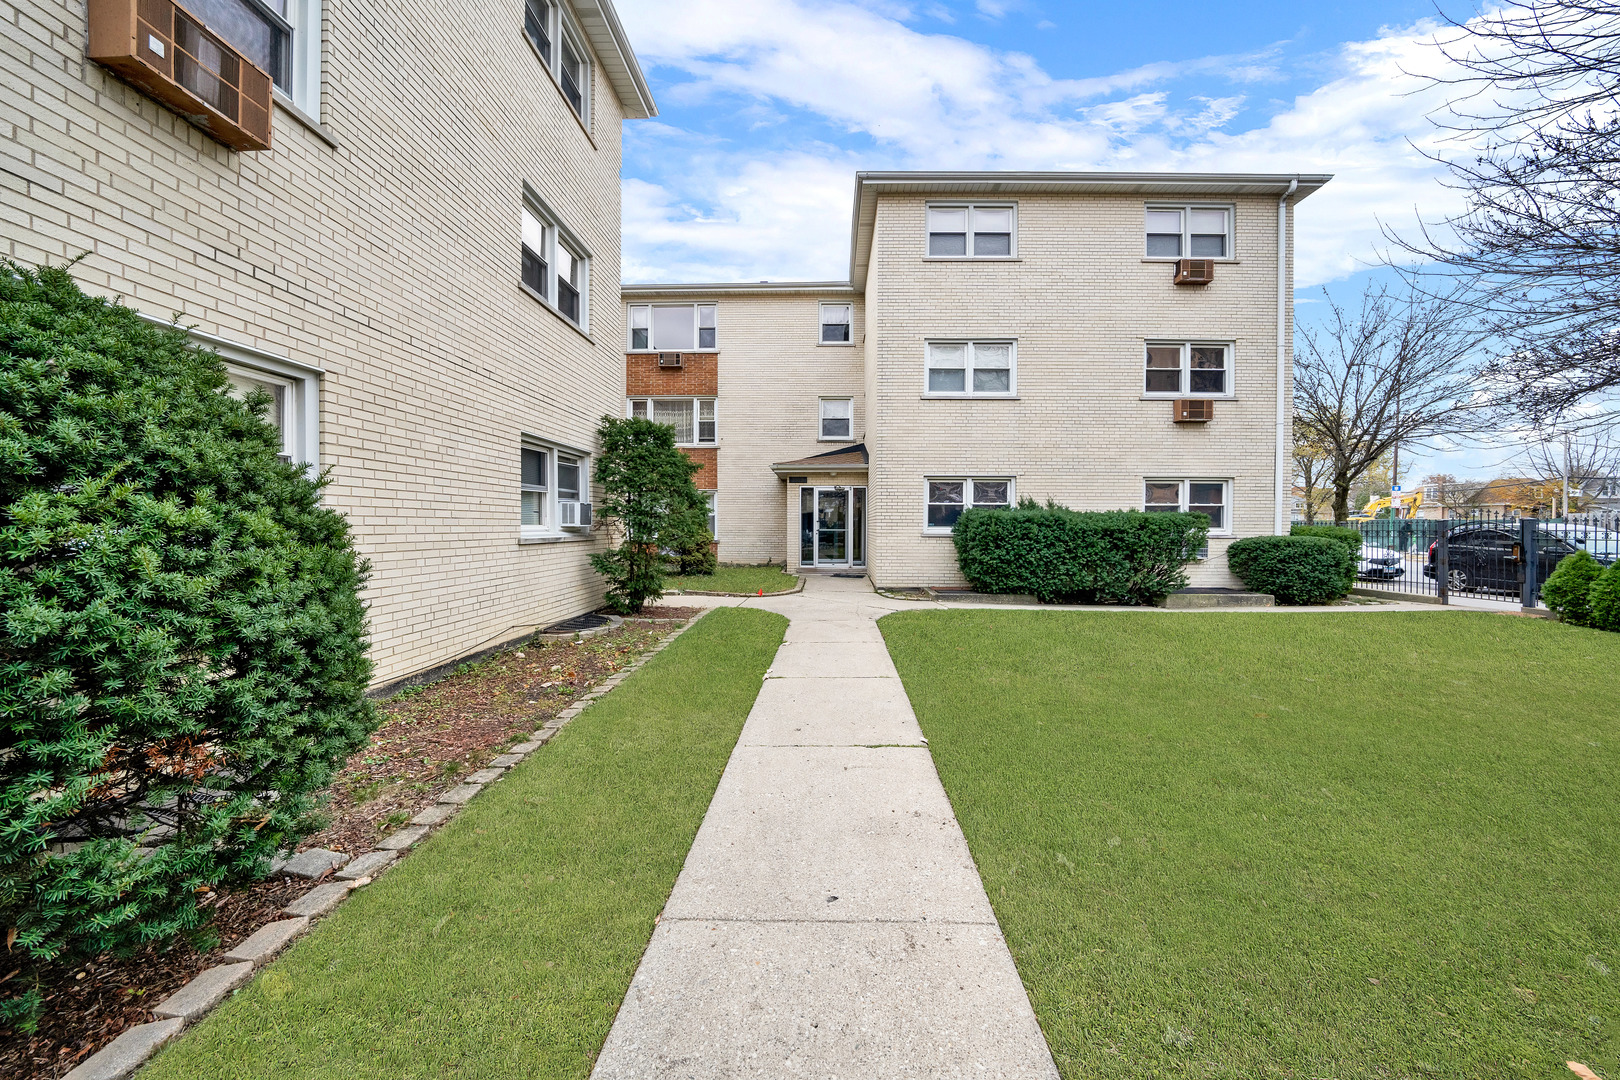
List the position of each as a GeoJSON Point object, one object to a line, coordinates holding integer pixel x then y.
{"type": "Point", "coordinates": [1285, 481]}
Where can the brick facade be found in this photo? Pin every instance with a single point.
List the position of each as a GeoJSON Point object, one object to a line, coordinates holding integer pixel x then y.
{"type": "Point", "coordinates": [698, 376]}
{"type": "Point", "coordinates": [708, 477]}
{"type": "Point", "coordinates": [381, 249]}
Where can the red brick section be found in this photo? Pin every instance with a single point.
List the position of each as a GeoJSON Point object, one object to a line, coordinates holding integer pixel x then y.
{"type": "Point", "coordinates": [708, 477]}
{"type": "Point", "coordinates": [698, 376]}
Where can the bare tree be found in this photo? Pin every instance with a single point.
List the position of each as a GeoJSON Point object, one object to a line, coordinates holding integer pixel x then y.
{"type": "Point", "coordinates": [1396, 372]}
{"type": "Point", "coordinates": [1538, 240]}
{"type": "Point", "coordinates": [1573, 459]}
{"type": "Point", "coordinates": [1453, 495]}
{"type": "Point", "coordinates": [1310, 476]}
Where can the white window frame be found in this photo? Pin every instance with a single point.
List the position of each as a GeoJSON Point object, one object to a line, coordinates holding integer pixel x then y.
{"type": "Point", "coordinates": [301, 385]}
{"type": "Point", "coordinates": [560, 27]}
{"type": "Point", "coordinates": [1184, 384]}
{"type": "Point", "coordinates": [553, 233]}
{"type": "Point", "coordinates": [713, 499]}
{"type": "Point", "coordinates": [849, 415]}
{"type": "Point", "coordinates": [700, 309]}
{"type": "Point", "coordinates": [969, 368]}
{"type": "Point", "coordinates": [971, 208]}
{"type": "Point", "coordinates": [1186, 483]}
{"type": "Point", "coordinates": [1186, 210]}
{"type": "Point", "coordinates": [822, 324]}
{"type": "Point", "coordinates": [698, 405]}
{"type": "Point", "coordinates": [967, 483]}
{"type": "Point", "coordinates": [551, 526]}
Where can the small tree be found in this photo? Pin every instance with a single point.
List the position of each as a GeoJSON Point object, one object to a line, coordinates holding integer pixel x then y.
{"type": "Point", "coordinates": [183, 657]}
{"type": "Point", "coordinates": [649, 503]}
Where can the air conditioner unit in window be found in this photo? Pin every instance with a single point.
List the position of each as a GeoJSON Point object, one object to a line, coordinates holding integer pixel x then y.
{"type": "Point", "coordinates": [669, 359]}
{"type": "Point", "coordinates": [1194, 411]}
{"type": "Point", "coordinates": [1195, 271]}
{"type": "Point", "coordinates": [165, 50]}
{"type": "Point", "coordinates": [574, 515]}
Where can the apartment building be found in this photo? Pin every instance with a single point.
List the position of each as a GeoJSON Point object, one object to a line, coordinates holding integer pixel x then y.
{"type": "Point", "coordinates": [1106, 340]}
{"type": "Point", "coordinates": [402, 219]}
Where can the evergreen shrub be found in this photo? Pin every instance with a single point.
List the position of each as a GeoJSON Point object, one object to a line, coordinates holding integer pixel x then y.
{"type": "Point", "coordinates": [183, 655]}
{"type": "Point", "coordinates": [1294, 569]}
{"type": "Point", "coordinates": [1062, 555]}
{"type": "Point", "coordinates": [1567, 592]}
{"type": "Point", "coordinates": [1603, 601]}
{"type": "Point", "coordinates": [1350, 538]}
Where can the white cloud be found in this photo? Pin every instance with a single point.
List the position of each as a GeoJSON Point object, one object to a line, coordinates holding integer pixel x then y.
{"type": "Point", "coordinates": [905, 98]}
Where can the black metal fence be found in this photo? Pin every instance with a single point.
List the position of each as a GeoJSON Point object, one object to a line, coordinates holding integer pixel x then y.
{"type": "Point", "coordinates": [1484, 556]}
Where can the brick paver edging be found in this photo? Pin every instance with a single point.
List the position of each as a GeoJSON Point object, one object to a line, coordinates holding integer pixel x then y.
{"type": "Point", "coordinates": [130, 1050]}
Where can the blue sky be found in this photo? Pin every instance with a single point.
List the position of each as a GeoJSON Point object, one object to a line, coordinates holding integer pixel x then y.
{"type": "Point", "coordinates": [768, 107]}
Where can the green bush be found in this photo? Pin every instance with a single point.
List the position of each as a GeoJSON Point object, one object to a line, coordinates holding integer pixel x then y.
{"type": "Point", "coordinates": [1110, 557]}
{"type": "Point", "coordinates": [650, 505]}
{"type": "Point", "coordinates": [1567, 590]}
{"type": "Point", "coordinates": [183, 657]}
{"type": "Point", "coordinates": [1603, 602]}
{"type": "Point", "coordinates": [1350, 538]}
{"type": "Point", "coordinates": [1294, 569]}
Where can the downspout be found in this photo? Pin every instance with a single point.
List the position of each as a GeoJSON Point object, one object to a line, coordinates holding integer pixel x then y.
{"type": "Point", "coordinates": [1284, 481]}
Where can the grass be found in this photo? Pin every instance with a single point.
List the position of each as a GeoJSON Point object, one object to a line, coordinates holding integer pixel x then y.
{"type": "Point", "coordinates": [503, 946]}
{"type": "Point", "coordinates": [1303, 846]}
{"type": "Point", "coordinates": [736, 579]}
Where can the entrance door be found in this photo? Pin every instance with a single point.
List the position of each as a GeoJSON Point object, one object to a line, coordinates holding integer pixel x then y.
{"type": "Point", "coordinates": [833, 526]}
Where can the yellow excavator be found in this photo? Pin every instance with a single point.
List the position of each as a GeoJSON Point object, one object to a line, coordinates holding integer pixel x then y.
{"type": "Point", "coordinates": [1404, 506]}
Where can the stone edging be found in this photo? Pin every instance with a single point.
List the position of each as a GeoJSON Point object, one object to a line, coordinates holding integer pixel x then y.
{"type": "Point", "coordinates": [757, 596]}
{"type": "Point", "coordinates": [130, 1050]}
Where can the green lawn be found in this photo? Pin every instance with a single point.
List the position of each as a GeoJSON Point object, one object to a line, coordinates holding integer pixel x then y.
{"type": "Point", "coordinates": [503, 945]}
{"type": "Point", "coordinates": [736, 579]}
{"type": "Point", "coordinates": [1357, 845]}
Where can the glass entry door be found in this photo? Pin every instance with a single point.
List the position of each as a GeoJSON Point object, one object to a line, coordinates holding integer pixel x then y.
{"type": "Point", "coordinates": [832, 526]}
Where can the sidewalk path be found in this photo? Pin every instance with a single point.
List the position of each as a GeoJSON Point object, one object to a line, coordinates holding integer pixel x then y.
{"type": "Point", "coordinates": [829, 921]}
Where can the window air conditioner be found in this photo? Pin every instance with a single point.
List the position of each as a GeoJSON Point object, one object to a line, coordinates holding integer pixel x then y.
{"type": "Point", "coordinates": [1195, 271]}
{"type": "Point", "coordinates": [1194, 411]}
{"type": "Point", "coordinates": [669, 359]}
{"type": "Point", "coordinates": [165, 51]}
{"type": "Point", "coordinates": [574, 515]}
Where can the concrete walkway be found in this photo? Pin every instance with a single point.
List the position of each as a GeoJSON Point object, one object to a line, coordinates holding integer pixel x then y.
{"type": "Point", "coordinates": [829, 921]}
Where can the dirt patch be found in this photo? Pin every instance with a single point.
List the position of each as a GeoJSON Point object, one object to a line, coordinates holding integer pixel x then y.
{"type": "Point", "coordinates": [430, 738]}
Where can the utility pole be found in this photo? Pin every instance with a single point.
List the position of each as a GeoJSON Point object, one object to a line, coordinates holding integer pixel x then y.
{"type": "Point", "coordinates": [1566, 476]}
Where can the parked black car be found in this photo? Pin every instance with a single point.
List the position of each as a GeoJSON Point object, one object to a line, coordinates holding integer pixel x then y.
{"type": "Point", "coordinates": [1483, 557]}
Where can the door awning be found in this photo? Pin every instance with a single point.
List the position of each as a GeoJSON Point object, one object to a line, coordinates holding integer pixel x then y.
{"type": "Point", "coordinates": [844, 459]}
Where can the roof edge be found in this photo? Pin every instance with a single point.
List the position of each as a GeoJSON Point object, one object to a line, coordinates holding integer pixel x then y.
{"type": "Point", "coordinates": [612, 43]}
{"type": "Point", "coordinates": [735, 288]}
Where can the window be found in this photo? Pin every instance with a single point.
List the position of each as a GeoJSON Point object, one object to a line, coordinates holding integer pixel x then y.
{"type": "Point", "coordinates": [970, 368]}
{"type": "Point", "coordinates": [537, 24]}
{"type": "Point", "coordinates": [672, 327]}
{"type": "Point", "coordinates": [281, 36]}
{"type": "Point", "coordinates": [692, 418]}
{"type": "Point", "coordinates": [278, 413]}
{"type": "Point", "coordinates": [1189, 370]}
{"type": "Point", "coordinates": [551, 32]}
{"type": "Point", "coordinates": [554, 267]}
{"type": "Point", "coordinates": [948, 498]}
{"type": "Point", "coordinates": [1197, 232]}
{"type": "Point", "coordinates": [835, 324]}
{"type": "Point", "coordinates": [294, 391]}
{"type": "Point", "coordinates": [553, 492]}
{"type": "Point", "coordinates": [970, 232]}
{"type": "Point", "coordinates": [836, 418]}
{"type": "Point", "coordinates": [712, 499]}
{"type": "Point", "coordinates": [1207, 497]}
{"type": "Point", "coordinates": [536, 474]}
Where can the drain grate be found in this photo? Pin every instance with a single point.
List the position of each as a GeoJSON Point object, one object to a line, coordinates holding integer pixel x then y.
{"type": "Point", "coordinates": [577, 624]}
{"type": "Point", "coordinates": [857, 576]}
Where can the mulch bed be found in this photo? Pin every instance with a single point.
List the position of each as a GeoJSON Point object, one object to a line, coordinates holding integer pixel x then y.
{"type": "Point", "coordinates": [430, 738]}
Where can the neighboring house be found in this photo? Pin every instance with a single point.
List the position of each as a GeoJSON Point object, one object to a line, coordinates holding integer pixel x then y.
{"type": "Point", "coordinates": [1107, 340]}
{"type": "Point", "coordinates": [423, 266]}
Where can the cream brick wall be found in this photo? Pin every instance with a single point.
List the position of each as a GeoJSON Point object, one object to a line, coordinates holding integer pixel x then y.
{"type": "Point", "coordinates": [1080, 301]}
{"type": "Point", "coordinates": [773, 373]}
{"type": "Point", "coordinates": [391, 261]}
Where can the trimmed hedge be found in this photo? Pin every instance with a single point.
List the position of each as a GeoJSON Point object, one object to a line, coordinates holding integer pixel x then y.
{"type": "Point", "coordinates": [1062, 555]}
{"type": "Point", "coordinates": [1350, 538]}
{"type": "Point", "coordinates": [1567, 591]}
{"type": "Point", "coordinates": [1603, 602]}
{"type": "Point", "coordinates": [1294, 569]}
{"type": "Point", "coordinates": [183, 657]}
